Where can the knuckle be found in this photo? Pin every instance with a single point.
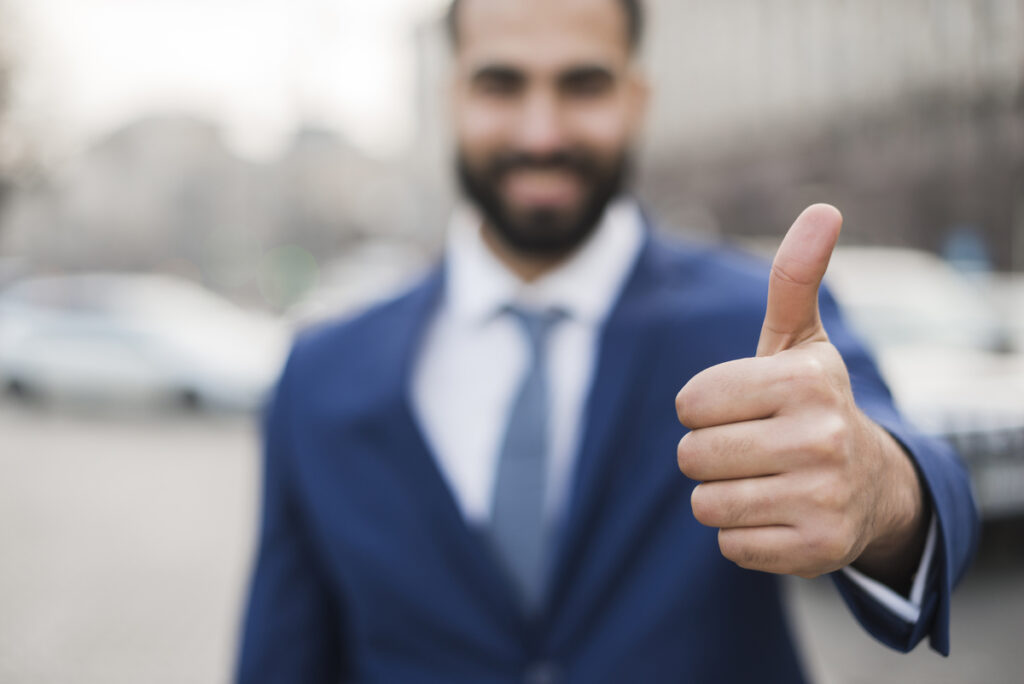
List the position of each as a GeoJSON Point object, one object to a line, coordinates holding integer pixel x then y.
{"type": "Point", "coordinates": [828, 497]}
{"type": "Point", "coordinates": [731, 548]}
{"type": "Point", "coordinates": [700, 396]}
{"type": "Point", "coordinates": [809, 368]}
{"type": "Point", "coordinates": [833, 493]}
{"type": "Point", "coordinates": [686, 456]}
{"type": "Point", "coordinates": [829, 547]}
{"type": "Point", "coordinates": [795, 381]}
{"type": "Point", "coordinates": [704, 506]}
{"type": "Point", "coordinates": [763, 499]}
{"type": "Point", "coordinates": [751, 500]}
{"type": "Point", "coordinates": [813, 367]}
{"type": "Point", "coordinates": [807, 379]}
{"type": "Point", "coordinates": [683, 405]}
{"type": "Point", "coordinates": [835, 435]}
{"type": "Point", "coordinates": [827, 443]}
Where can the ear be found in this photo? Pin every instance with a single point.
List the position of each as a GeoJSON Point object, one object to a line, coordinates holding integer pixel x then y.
{"type": "Point", "coordinates": [452, 82]}
{"type": "Point", "coordinates": [453, 94]}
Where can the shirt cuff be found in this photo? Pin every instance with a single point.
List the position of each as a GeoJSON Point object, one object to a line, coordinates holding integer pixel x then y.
{"type": "Point", "coordinates": [907, 608]}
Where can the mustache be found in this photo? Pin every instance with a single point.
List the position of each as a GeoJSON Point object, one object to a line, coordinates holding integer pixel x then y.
{"type": "Point", "coordinates": [561, 160]}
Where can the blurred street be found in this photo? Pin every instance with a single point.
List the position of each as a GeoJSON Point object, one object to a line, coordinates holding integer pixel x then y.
{"type": "Point", "coordinates": [125, 544]}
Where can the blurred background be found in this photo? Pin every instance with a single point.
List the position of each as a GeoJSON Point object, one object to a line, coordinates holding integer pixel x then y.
{"type": "Point", "coordinates": [184, 184]}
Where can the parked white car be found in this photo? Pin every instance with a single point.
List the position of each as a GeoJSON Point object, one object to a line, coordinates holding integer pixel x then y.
{"type": "Point", "coordinates": [947, 356]}
{"type": "Point", "coordinates": [1007, 290]}
{"type": "Point", "coordinates": [134, 337]}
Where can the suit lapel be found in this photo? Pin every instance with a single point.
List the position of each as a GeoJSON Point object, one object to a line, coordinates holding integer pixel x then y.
{"type": "Point", "coordinates": [628, 338]}
{"type": "Point", "coordinates": [466, 546]}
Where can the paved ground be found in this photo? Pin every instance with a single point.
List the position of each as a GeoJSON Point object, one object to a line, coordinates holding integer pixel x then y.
{"type": "Point", "coordinates": [125, 542]}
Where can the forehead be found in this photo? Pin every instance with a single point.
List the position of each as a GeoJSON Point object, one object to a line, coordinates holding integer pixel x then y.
{"type": "Point", "coordinates": [542, 33]}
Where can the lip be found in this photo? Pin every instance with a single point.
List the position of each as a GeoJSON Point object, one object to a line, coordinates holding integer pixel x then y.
{"type": "Point", "coordinates": [542, 188]}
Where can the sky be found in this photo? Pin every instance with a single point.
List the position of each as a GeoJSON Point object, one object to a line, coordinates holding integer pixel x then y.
{"type": "Point", "coordinates": [258, 67]}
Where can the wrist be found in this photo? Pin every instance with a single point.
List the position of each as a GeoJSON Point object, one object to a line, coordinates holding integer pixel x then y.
{"type": "Point", "coordinates": [901, 519]}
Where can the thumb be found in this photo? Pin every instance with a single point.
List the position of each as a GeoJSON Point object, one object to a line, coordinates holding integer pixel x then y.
{"type": "Point", "coordinates": [792, 316]}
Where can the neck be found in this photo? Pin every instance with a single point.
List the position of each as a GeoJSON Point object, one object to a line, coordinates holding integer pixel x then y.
{"type": "Point", "coordinates": [527, 267]}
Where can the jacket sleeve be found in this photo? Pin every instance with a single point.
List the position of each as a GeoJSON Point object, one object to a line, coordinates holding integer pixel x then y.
{"type": "Point", "coordinates": [291, 629]}
{"type": "Point", "coordinates": [946, 488]}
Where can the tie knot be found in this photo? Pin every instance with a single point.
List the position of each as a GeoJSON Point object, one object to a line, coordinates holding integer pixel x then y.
{"type": "Point", "coordinates": [536, 323]}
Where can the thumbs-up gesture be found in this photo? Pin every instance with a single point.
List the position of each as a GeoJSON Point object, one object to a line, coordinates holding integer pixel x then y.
{"type": "Point", "coordinates": [796, 477]}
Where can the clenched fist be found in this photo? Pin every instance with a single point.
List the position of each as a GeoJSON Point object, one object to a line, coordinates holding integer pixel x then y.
{"type": "Point", "coordinates": [796, 477]}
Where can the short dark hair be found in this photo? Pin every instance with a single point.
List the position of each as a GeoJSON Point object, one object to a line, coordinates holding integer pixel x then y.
{"type": "Point", "coordinates": [633, 10]}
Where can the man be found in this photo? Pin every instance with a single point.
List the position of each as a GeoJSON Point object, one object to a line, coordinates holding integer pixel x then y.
{"type": "Point", "coordinates": [475, 482]}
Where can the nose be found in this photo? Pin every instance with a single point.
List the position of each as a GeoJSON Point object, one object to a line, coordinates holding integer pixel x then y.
{"type": "Point", "coordinates": [540, 131]}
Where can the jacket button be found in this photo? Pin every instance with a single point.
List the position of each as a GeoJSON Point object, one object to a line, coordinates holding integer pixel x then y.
{"type": "Point", "coordinates": [543, 672]}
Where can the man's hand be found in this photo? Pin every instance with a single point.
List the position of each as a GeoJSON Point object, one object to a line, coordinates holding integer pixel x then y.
{"type": "Point", "coordinates": [796, 477]}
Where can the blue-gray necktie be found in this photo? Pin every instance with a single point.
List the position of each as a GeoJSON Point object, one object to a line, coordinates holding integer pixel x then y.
{"type": "Point", "coordinates": [517, 523]}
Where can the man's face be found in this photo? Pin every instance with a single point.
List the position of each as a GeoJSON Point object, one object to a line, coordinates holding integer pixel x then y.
{"type": "Point", "coordinates": [547, 104]}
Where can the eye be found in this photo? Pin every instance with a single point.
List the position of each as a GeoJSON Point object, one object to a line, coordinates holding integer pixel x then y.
{"type": "Point", "coordinates": [498, 81]}
{"type": "Point", "coordinates": [586, 82]}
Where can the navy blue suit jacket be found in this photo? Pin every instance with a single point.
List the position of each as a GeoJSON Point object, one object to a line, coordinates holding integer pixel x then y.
{"type": "Point", "coordinates": [366, 571]}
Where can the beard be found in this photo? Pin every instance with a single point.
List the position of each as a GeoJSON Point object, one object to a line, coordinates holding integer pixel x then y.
{"type": "Point", "coordinates": [544, 231]}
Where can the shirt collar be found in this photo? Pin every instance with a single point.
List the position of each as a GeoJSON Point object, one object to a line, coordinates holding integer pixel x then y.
{"type": "Point", "coordinates": [585, 286]}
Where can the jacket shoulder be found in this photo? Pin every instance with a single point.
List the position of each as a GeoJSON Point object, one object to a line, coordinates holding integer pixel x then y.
{"type": "Point", "coordinates": [707, 277]}
{"type": "Point", "coordinates": [362, 345]}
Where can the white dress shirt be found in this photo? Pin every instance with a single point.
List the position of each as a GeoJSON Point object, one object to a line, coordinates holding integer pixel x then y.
{"type": "Point", "coordinates": [462, 416]}
{"type": "Point", "coordinates": [468, 341]}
